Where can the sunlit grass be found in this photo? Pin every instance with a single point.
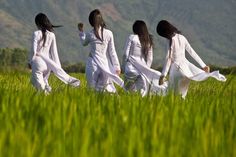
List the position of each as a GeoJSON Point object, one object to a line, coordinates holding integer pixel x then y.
{"type": "Point", "coordinates": [80, 122]}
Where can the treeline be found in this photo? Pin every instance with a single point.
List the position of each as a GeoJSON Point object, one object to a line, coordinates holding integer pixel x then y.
{"type": "Point", "coordinates": [13, 57]}
{"type": "Point", "coordinates": [17, 59]}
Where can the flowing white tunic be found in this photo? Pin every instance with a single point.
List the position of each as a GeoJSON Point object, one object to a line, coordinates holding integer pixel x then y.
{"type": "Point", "coordinates": [139, 71]}
{"type": "Point", "coordinates": [181, 70]}
{"type": "Point", "coordinates": [102, 62]}
{"type": "Point", "coordinates": [44, 59]}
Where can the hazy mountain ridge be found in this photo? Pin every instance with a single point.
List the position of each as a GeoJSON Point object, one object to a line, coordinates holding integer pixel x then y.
{"type": "Point", "coordinates": [208, 25]}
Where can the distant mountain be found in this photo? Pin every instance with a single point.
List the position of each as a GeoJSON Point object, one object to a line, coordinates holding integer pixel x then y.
{"type": "Point", "coordinates": [208, 25]}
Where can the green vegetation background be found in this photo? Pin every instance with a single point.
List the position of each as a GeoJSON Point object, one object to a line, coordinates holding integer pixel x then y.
{"type": "Point", "coordinates": [82, 122]}
{"type": "Point", "coordinates": [17, 59]}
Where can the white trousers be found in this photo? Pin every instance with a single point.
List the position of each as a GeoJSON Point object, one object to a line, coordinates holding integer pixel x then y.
{"type": "Point", "coordinates": [99, 79]}
{"type": "Point", "coordinates": [41, 68]}
{"type": "Point", "coordinates": [178, 83]}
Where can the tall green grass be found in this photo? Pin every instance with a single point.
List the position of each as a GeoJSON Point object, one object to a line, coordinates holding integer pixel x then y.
{"type": "Point", "coordinates": [80, 122]}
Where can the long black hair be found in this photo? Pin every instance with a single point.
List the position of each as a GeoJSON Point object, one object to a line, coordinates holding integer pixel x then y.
{"type": "Point", "coordinates": [140, 28]}
{"type": "Point", "coordinates": [167, 30]}
{"type": "Point", "coordinates": [44, 24]}
{"type": "Point", "coordinates": [96, 21]}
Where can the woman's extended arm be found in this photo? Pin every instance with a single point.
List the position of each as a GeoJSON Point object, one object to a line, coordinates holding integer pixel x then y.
{"type": "Point", "coordinates": [195, 56]}
{"type": "Point", "coordinates": [150, 57]}
{"type": "Point", "coordinates": [113, 54]}
{"type": "Point", "coordinates": [83, 36]}
{"type": "Point", "coordinates": [54, 52]}
{"type": "Point", "coordinates": [34, 46]}
{"type": "Point", "coordinates": [166, 67]}
{"type": "Point", "coordinates": [126, 51]}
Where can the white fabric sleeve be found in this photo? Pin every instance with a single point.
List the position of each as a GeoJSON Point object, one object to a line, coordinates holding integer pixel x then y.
{"type": "Point", "coordinates": [54, 52]}
{"type": "Point", "coordinates": [150, 57]}
{"type": "Point", "coordinates": [83, 38]}
{"type": "Point", "coordinates": [167, 64]}
{"type": "Point", "coordinates": [112, 53]}
{"type": "Point", "coordinates": [193, 54]}
{"type": "Point", "coordinates": [126, 50]}
{"type": "Point", "coordinates": [34, 46]}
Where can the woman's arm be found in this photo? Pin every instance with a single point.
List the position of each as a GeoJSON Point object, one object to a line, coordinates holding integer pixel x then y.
{"type": "Point", "coordinates": [126, 51]}
{"type": "Point", "coordinates": [83, 36]}
{"type": "Point", "coordinates": [33, 52]}
{"type": "Point", "coordinates": [194, 55]}
{"type": "Point", "coordinates": [150, 57]}
{"type": "Point", "coordinates": [167, 63]}
{"type": "Point", "coordinates": [166, 67]}
{"type": "Point", "coordinates": [113, 54]}
{"type": "Point", "coordinates": [54, 52]}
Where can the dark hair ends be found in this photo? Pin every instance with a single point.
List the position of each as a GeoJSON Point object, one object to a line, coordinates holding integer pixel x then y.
{"type": "Point", "coordinates": [97, 22]}
{"type": "Point", "coordinates": [146, 40]}
{"type": "Point", "coordinates": [44, 24]}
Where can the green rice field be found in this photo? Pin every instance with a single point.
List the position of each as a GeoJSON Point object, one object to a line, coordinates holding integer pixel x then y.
{"type": "Point", "coordinates": [79, 122]}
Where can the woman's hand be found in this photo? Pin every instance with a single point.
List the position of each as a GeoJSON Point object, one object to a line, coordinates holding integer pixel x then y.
{"type": "Point", "coordinates": [161, 80]}
{"type": "Point", "coordinates": [118, 72]}
{"type": "Point", "coordinates": [81, 27]}
{"type": "Point", "coordinates": [206, 69]}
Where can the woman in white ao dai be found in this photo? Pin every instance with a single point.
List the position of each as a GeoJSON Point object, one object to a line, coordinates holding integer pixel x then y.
{"type": "Point", "coordinates": [102, 67]}
{"type": "Point", "coordinates": [137, 61]}
{"type": "Point", "coordinates": [181, 70]}
{"type": "Point", "coordinates": [44, 58]}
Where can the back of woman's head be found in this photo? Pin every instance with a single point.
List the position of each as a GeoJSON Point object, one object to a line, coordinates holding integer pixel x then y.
{"type": "Point", "coordinates": [43, 23]}
{"type": "Point", "coordinates": [140, 28]}
{"type": "Point", "coordinates": [165, 29]}
{"type": "Point", "coordinates": [96, 21]}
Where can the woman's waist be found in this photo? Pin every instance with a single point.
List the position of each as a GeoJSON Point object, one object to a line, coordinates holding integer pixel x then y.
{"type": "Point", "coordinates": [98, 59]}
{"type": "Point", "coordinates": [130, 68]}
{"type": "Point", "coordinates": [179, 60]}
{"type": "Point", "coordinates": [137, 60]}
{"type": "Point", "coordinates": [97, 54]}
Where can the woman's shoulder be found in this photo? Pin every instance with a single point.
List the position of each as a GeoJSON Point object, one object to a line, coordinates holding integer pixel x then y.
{"type": "Point", "coordinates": [108, 31]}
{"type": "Point", "coordinates": [37, 33]}
{"type": "Point", "coordinates": [133, 37]}
{"type": "Point", "coordinates": [179, 37]}
{"type": "Point", "coordinates": [50, 34]}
